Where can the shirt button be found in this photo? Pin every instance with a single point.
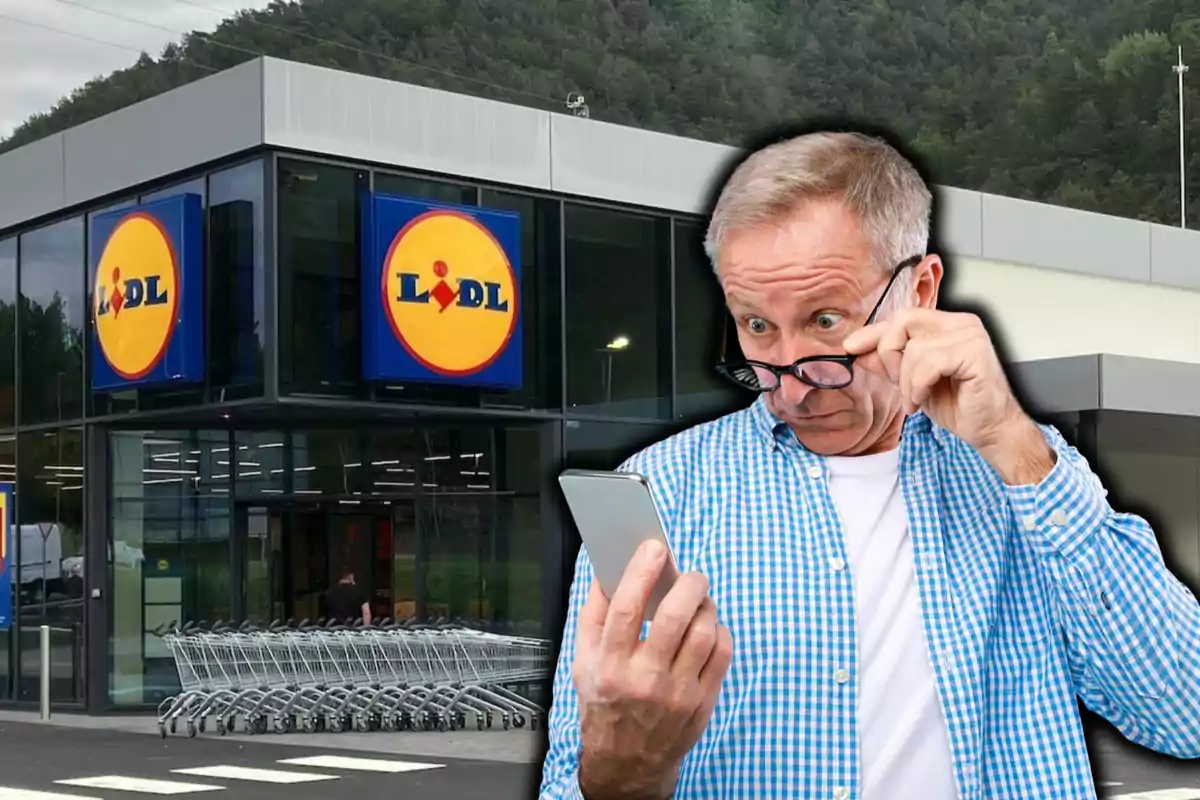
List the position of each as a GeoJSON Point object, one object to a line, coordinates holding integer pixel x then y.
{"type": "Point", "coordinates": [841, 793]}
{"type": "Point", "coordinates": [1059, 517]}
{"type": "Point", "coordinates": [841, 675]}
{"type": "Point", "coordinates": [837, 563]}
{"type": "Point", "coordinates": [815, 471]}
{"type": "Point", "coordinates": [1030, 522]}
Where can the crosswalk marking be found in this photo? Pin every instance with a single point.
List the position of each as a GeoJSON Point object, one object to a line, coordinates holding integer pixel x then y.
{"type": "Point", "coordinates": [361, 764]}
{"type": "Point", "coordinates": [1161, 794]}
{"type": "Point", "coordinates": [8, 793]}
{"type": "Point", "coordinates": [230, 772]}
{"type": "Point", "coordinates": [122, 783]}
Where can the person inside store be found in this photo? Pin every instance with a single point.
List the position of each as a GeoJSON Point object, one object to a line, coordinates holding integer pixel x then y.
{"type": "Point", "coordinates": [346, 602]}
{"type": "Point", "coordinates": [894, 582]}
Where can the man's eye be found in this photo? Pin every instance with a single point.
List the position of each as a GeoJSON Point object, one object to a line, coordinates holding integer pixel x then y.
{"type": "Point", "coordinates": [827, 321]}
{"type": "Point", "coordinates": [757, 325]}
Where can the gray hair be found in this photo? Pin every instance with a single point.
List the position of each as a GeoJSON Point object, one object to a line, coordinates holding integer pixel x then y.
{"type": "Point", "coordinates": [876, 183]}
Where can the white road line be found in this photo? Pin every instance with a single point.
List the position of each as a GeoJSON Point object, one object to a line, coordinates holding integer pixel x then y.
{"type": "Point", "coordinates": [230, 772]}
{"type": "Point", "coordinates": [1161, 794]}
{"type": "Point", "coordinates": [9, 793]}
{"type": "Point", "coordinates": [122, 783]}
{"type": "Point", "coordinates": [361, 764]}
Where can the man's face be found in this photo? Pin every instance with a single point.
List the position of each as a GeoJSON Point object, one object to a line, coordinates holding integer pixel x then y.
{"type": "Point", "coordinates": [798, 288]}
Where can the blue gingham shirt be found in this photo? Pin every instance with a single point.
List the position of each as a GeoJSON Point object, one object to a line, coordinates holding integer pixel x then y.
{"type": "Point", "coordinates": [1032, 596]}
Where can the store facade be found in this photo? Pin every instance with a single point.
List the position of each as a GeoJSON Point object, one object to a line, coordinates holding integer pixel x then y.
{"type": "Point", "coordinates": [287, 320]}
{"type": "Point", "coordinates": [226, 432]}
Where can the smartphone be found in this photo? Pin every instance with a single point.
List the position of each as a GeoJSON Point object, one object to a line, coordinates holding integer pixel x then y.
{"type": "Point", "coordinates": [615, 513]}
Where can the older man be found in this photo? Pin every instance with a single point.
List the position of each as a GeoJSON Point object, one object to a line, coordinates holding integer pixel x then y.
{"type": "Point", "coordinates": [896, 584]}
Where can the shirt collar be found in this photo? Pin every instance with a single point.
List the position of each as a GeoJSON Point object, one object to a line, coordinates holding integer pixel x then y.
{"type": "Point", "coordinates": [775, 433]}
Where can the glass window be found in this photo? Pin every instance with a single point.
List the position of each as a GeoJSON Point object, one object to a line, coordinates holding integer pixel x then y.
{"type": "Point", "coordinates": [441, 191]}
{"type": "Point", "coordinates": [8, 475]}
{"type": "Point", "coordinates": [480, 522]}
{"type": "Point", "coordinates": [52, 313]}
{"type": "Point", "coordinates": [433, 522]}
{"type": "Point", "coordinates": [617, 276]}
{"type": "Point", "coordinates": [600, 445]}
{"type": "Point", "coordinates": [236, 273]}
{"type": "Point", "coordinates": [319, 322]}
{"type": "Point", "coordinates": [170, 551]}
{"type": "Point", "coordinates": [8, 333]}
{"type": "Point", "coordinates": [700, 393]}
{"type": "Point", "coordinates": [540, 315]}
{"type": "Point", "coordinates": [259, 464]}
{"type": "Point", "coordinates": [50, 478]}
{"type": "Point", "coordinates": [605, 445]}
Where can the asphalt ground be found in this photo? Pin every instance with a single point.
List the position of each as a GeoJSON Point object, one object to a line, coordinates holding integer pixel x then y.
{"type": "Point", "coordinates": [63, 762]}
{"type": "Point", "coordinates": [104, 764]}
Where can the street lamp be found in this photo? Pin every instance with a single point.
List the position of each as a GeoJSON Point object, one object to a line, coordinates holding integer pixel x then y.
{"type": "Point", "coordinates": [1179, 69]}
{"type": "Point", "coordinates": [618, 344]}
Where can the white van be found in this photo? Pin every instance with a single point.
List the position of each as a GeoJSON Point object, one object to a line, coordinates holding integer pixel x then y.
{"type": "Point", "coordinates": [40, 569]}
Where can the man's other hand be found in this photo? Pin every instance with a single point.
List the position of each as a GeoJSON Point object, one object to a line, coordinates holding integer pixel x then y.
{"type": "Point", "coordinates": [644, 704]}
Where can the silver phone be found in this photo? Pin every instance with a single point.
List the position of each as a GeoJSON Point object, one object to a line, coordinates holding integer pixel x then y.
{"type": "Point", "coordinates": [615, 513]}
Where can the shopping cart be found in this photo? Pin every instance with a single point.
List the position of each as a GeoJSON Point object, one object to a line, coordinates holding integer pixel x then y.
{"type": "Point", "coordinates": [324, 676]}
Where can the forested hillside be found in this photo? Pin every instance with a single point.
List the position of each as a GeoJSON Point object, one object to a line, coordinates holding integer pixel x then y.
{"type": "Point", "coordinates": [1064, 101]}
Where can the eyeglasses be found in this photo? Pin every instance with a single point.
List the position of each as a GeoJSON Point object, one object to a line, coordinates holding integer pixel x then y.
{"type": "Point", "coordinates": [820, 372]}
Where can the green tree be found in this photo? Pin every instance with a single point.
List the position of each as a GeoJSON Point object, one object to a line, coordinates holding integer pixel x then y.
{"type": "Point", "coordinates": [1060, 101]}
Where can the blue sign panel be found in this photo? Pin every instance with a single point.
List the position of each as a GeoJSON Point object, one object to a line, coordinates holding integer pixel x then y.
{"type": "Point", "coordinates": [441, 293]}
{"type": "Point", "coordinates": [8, 555]}
{"type": "Point", "coordinates": [148, 294]}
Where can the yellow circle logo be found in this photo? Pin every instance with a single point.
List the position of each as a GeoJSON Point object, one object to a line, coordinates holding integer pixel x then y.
{"type": "Point", "coordinates": [136, 296]}
{"type": "Point", "coordinates": [450, 293]}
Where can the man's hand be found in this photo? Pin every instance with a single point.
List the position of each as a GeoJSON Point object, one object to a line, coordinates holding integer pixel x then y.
{"type": "Point", "coordinates": [944, 364]}
{"type": "Point", "coordinates": [644, 704]}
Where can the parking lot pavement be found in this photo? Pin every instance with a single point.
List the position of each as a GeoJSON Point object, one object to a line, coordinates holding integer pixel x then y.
{"type": "Point", "coordinates": [41, 762]}
{"type": "Point", "coordinates": [1125, 771]}
{"type": "Point", "coordinates": [105, 759]}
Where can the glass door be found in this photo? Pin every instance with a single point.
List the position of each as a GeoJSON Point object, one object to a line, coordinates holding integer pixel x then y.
{"type": "Point", "coordinates": [408, 592]}
{"type": "Point", "coordinates": [260, 543]}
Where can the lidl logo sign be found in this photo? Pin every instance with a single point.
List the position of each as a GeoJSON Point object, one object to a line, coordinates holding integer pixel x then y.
{"type": "Point", "coordinates": [147, 294]}
{"type": "Point", "coordinates": [445, 302]}
{"type": "Point", "coordinates": [8, 554]}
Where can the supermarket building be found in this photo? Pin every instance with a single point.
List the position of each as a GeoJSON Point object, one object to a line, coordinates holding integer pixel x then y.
{"type": "Point", "coordinates": [211, 432]}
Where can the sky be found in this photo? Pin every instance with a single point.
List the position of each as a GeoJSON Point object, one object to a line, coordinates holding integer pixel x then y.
{"type": "Point", "coordinates": [50, 47]}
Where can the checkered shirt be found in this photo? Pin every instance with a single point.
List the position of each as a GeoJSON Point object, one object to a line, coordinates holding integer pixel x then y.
{"type": "Point", "coordinates": [1033, 597]}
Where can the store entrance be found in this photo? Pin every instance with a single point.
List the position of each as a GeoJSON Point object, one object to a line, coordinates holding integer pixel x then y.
{"type": "Point", "coordinates": [290, 553]}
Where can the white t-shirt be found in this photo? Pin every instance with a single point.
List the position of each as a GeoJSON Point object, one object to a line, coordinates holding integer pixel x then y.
{"type": "Point", "coordinates": [904, 746]}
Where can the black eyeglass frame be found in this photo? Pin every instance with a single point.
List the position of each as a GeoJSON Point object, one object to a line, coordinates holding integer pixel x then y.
{"type": "Point", "coordinates": [726, 368]}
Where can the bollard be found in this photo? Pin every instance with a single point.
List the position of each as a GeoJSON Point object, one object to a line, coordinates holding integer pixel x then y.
{"type": "Point", "coordinates": [44, 691]}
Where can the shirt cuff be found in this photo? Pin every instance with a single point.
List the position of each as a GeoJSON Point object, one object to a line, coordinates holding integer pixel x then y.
{"type": "Point", "coordinates": [573, 790]}
{"type": "Point", "coordinates": [1065, 509]}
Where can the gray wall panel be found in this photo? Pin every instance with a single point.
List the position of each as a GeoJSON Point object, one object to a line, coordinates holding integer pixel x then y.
{"type": "Point", "coordinates": [31, 181]}
{"type": "Point", "coordinates": [1112, 383]}
{"type": "Point", "coordinates": [342, 114]}
{"type": "Point", "coordinates": [627, 165]}
{"type": "Point", "coordinates": [958, 220]}
{"type": "Point", "coordinates": [1055, 385]}
{"type": "Point", "coordinates": [357, 117]}
{"type": "Point", "coordinates": [1150, 385]}
{"type": "Point", "coordinates": [205, 120]}
{"type": "Point", "coordinates": [1174, 257]}
{"type": "Point", "coordinates": [1062, 238]}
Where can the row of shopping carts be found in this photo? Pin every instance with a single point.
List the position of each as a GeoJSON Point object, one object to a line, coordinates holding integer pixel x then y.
{"type": "Point", "coordinates": [326, 676]}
